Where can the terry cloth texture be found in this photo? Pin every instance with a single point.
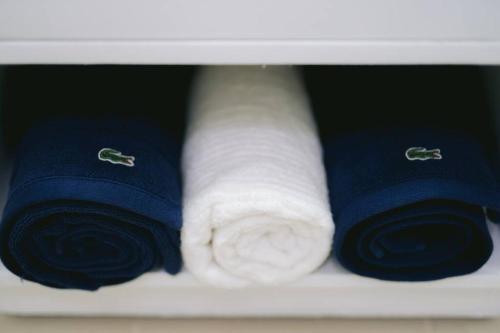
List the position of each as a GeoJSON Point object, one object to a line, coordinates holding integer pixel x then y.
{"type": "Point", "coordinates": [405, 215]}
{"type": "Point", "coordinates": [256, 207]}
{"type": "Point", "coordinates": [79, 219]}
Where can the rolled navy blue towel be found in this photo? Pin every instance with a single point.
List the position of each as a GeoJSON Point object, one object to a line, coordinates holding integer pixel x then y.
{"type": "Point", "coordinates": [408, 204]}
{"type": "Point", "coordinates": [92, 203]}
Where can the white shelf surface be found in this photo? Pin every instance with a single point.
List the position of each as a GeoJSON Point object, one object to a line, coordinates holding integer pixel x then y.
{"type": "Point", "coordinates": [331, 291]}
{"type": "Point", "coordinates": [249, 32]}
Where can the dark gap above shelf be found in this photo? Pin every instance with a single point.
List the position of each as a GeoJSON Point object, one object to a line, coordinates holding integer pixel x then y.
{"type": "Point", "coordinates": [344, 98]}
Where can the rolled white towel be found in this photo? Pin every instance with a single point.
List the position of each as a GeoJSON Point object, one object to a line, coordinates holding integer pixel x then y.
{"type": "Point", "coordinates": [256, 207]}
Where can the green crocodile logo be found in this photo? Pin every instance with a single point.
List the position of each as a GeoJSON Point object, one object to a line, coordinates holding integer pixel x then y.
{"type": "Point", "coordinates": [423, 154]}
{"type": "Point", "coordinates": [116, 157]}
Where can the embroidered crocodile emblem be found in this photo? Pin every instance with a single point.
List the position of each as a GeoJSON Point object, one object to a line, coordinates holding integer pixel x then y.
{"type": "Point", "coordinates": [423, 154]}
{"type": "Point", "coordinates": [114, 156]}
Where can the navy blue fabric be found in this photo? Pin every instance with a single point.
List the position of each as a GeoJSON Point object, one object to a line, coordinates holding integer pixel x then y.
{"type": "Point", "coordinates": [405, 220]}
{"type": "Point", "coordinates": [74, 221]}
{"type": "Point", "coordinates": [33, 93]}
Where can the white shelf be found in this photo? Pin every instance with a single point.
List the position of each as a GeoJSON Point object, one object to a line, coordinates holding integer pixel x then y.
{"type": "Point", "coordinates": [263, 32]}
{"type": "Point", "coordinates": [331, 291]}
{"type": "Point", "coordinates": [328, 292]}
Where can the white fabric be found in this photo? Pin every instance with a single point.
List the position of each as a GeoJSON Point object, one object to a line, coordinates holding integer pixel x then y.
{"type": "Point", "coordinates": [256, 207]}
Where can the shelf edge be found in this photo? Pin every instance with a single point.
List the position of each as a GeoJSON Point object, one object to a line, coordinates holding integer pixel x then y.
{"type": "Point", "coordinates": [250, 52]}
